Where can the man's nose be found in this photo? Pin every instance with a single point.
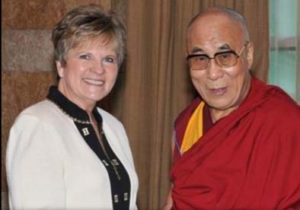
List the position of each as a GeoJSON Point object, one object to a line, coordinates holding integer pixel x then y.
{"type": "Point", "coordinates": [214, 70]}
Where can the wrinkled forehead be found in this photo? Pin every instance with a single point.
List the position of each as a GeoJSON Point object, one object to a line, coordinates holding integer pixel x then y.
{"type": "Point", "coordinates": [215, 20]}
{"type": "Point", "coordinates": [215, 28]}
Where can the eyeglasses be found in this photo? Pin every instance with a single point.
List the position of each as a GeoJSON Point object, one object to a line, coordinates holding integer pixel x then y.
{"type": "Point", "coordinates": [223, 59]}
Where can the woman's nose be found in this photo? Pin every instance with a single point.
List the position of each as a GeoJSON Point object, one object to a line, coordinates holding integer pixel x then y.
{"type": "Point", "coordinates": [99, 67]}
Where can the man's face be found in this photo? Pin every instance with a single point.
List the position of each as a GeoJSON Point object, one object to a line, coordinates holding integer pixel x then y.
{"type": "Point", "coordinates": [223, 88]}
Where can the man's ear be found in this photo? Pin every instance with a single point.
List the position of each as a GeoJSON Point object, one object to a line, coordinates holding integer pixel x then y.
{"type": "Point", "coordinates": [60, 69]}
{"type": "Point", "coordinates": [250, 54]}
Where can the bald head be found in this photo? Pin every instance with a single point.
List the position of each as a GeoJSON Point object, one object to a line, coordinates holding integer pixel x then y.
{"type": "Point", "coordinates": [231, 14]}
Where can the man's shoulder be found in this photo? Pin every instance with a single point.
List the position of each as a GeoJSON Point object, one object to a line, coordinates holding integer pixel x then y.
{"type": "Point", "coordinates": [188, 110]}
{"type": "Point", "coordinates": [269, 98]}
{"type": "Point", "coordinates": [280, 102]}
{"type": "Point", "coordinates": [279, 110]}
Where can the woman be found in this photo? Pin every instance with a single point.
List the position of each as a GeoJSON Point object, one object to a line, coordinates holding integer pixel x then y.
{"type": "Point", "coordinates": [65, 152]}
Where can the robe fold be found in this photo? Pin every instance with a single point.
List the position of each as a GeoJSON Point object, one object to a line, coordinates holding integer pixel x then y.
{"type": "Point", "coordinates": [249, 159]}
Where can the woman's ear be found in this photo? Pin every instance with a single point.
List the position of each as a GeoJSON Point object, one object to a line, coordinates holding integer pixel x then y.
{"type": "Point", "coordinates": [250, 54]}
{"type": "Point", "coordinates": [60, 69]}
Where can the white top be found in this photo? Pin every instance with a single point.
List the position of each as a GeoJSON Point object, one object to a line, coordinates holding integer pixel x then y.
{"type": "Point", "coordinates": [50, 166]}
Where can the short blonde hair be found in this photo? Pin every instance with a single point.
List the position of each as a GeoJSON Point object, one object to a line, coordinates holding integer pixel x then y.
{"type": "Point", "coordinates": [85, 22]}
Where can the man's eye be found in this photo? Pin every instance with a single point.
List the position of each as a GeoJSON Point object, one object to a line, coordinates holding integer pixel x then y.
{"type": "Point", "coordinates": [226, 55]}
{"type": "Point", "coordinates": [200, 57]}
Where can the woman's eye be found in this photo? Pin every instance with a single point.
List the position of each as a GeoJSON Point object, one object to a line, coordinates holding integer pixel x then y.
{"type": "Point", "coordinates": [110, 60]}
{"type": "Point", "coordinates": [85, 57]}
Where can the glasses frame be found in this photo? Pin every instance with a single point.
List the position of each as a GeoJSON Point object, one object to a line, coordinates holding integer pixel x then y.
{"type": "Point", "coordinates": [237, 55]}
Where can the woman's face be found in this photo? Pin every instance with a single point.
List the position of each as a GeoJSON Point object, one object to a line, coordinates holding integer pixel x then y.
{"type": "Point", "coordinates": [90, 72]}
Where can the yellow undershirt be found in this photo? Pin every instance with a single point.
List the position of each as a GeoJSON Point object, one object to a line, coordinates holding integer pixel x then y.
{"type": "Point", "coordinates": [194, 129]}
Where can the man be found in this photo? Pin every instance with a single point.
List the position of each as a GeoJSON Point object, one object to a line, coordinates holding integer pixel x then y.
{"type": "Point", "coordinates": [237, 145]}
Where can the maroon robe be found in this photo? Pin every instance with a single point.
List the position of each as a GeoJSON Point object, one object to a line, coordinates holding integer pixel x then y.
{"type": "Point", "coordinates": [249, 159]}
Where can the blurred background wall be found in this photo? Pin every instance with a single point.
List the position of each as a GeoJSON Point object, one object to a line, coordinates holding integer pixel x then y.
{"type": "Point", "coordinates": [153, 85]}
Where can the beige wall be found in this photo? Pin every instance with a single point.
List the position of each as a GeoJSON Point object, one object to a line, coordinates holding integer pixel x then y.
{"type": "Point", "coordinates": [153, 87]}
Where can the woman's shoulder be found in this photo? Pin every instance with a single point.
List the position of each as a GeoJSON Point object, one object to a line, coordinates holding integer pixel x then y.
{"type": "Point", "coordinates": [39, 111]}
{"type": "Point", "coordinates": [109, 118]}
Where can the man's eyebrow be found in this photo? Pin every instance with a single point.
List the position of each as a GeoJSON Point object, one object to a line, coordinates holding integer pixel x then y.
{"type": "Point", "coordinates": [200, 50]}
{"type": "Point", "coordinates": [224, 47]}
{"type": "Point", "coordinates": [197, 50]}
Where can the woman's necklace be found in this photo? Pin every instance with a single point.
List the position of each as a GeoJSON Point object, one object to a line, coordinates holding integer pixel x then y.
{"type": "Point", "coordinates": [85, 122]}
{"type": "Point", "coordinates": [114, 163]}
